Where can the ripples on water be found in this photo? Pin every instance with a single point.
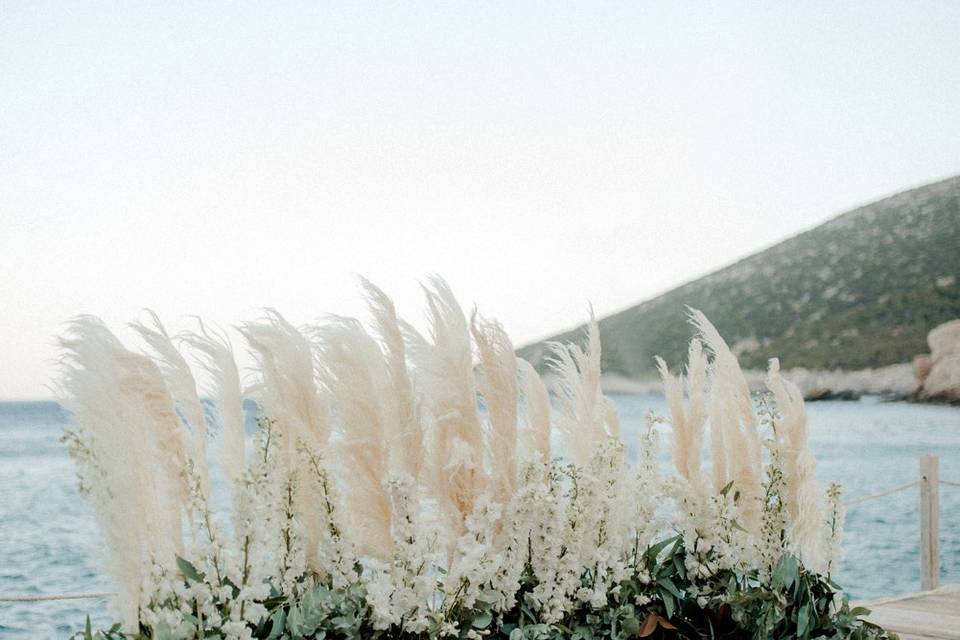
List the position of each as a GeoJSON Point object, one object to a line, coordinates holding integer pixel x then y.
{"type": "Point", "coordinates": [50, 544]}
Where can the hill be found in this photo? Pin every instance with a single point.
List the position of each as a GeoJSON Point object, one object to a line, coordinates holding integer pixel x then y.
{"type": "Point", "coordinates": [861, 290]}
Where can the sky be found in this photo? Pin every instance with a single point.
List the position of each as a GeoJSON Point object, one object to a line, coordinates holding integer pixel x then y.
{"type": "Point", "coordinates": [218, 158]}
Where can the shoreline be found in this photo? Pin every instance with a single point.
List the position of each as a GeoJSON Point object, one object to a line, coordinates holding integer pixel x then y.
{"type": "Point", "coordinates": [894, 381]}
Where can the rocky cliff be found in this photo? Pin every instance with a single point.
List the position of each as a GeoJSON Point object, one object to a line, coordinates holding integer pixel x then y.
{"type": "Point", "coordinates": [938, 374]}
{"type": "Point", "coordinates": [861, 291]}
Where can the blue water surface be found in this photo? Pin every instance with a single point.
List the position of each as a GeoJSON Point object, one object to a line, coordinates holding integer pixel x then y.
{"type": "Point", "coordinates": [49, 542]}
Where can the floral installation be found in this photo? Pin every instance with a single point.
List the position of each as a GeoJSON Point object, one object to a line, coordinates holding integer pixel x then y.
{"type": "Point", "coordinates": [401, 485]}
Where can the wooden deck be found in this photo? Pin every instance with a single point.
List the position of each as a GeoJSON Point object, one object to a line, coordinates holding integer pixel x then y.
{"type": "Point", "coordinates": [928, 615]}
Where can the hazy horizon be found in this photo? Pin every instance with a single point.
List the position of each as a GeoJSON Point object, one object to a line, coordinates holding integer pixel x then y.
{"type": "Point", "coordinates": [213, 161]}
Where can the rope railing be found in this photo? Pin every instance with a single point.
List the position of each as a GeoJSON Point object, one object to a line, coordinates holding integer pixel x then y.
{"type": "Point", "coordinates": [881, 494]}
{"type": "Point", "coordinates": [925, 478]}
{"type": "Point", "coordinates": [36, 597]}
{"type": "Point", "coordinates": [929, 483]}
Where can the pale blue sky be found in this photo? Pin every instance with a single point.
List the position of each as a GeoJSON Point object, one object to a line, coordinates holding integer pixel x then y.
{"type": "Point", "coordinates": [214, 158]}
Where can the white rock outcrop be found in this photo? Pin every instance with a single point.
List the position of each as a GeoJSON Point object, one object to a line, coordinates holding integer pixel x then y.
{"type": "Point", "coordinates": [942, 380]}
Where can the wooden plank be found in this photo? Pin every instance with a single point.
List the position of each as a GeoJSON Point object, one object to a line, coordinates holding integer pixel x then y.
{"type": "Point", "coordinates": [940, 600]}
{"type": "Point", "coordinates": [918, 623]}
{"type": "Point", "coordinates": [933, 605]}
{"type": "Point", "coordinates": [950, 592]}
{"type": "Point", "coordinates": [927, 615]}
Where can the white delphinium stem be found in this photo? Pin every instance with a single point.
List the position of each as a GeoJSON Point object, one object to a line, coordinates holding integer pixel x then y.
{"type": "Point", "coordinates": [257, 530]}
{"type": "Point", "coordinates": [719, 543]}
{"type": "Point", "coordinates": [522, 521]}
{"type": "Point", "coordinates": [547, 536]}
{"type": "Point", "coordinates": [162, 598]}
{"type": "Point", "coordinates": [292, 563]}
{"type": "Point", "coordinates": [475, 560]}
{"type": "Point", "coordinates": [609, 536]}
{"type": "Point", "coordinates": [582, 518]}
{"type": "Point", "coordinates": [536, 404]}
{"type": "Point", "coordinates": [833, 529]}
{"type": "Point", "coordinates": [246, 567]}
{"type": "Point", "coordinates": [581, 418]}
{"type": "Point", "coordinates": [648, 492]}
{"type": "Point", "coordinates": [288, 394]}
{"type": "Point", "coordinates": [771, 540]}
{"type": "Point", "coordinates": [336, 555]}
{"type": "Point", "coordinates": [497, 384]}
{"type": "Point", "coordinates": [379, 582]}
{"type": "Point", "coordinates": [415, 560]}
{"type": "Point", "coordinates": [799, 466]}
{"type": "Point", "coordinates": [207, 554]}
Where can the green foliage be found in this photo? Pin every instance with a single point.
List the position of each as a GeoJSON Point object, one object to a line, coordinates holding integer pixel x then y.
{"type": "Point", "coordinates": [323, 612]}
{"type": "Point", "coordinates": [659, 600]}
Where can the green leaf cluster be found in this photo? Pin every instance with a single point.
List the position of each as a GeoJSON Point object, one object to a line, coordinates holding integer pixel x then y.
{"type": "Point", "coordinates": [658, 600]}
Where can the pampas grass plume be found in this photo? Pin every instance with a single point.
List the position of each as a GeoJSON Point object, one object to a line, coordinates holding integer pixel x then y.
{"type": "Point", "coordinates": [499, 387]}
{"type": "Point", "coordinates": [456, 478]}
{"type": "Point", "coordinates": [536, 403]}
{"type": "Point", "coordinates": [216, 358]}
{"type": "Point", "coordinates": [125, 425]}
{"type": "Point", "coordinates": [799, 464]}
{"type": "Point", "coordinates": [582, 411]}
{"type": "Point", "coordinates": [182, 387]}
{"type": "Point", "coordinates": [403, 424]}
{"type": "Point", "coordinates": [732, 417]}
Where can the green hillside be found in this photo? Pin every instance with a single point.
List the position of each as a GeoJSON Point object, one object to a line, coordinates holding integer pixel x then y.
{"type": "Point", "coordinates": [861, 290]}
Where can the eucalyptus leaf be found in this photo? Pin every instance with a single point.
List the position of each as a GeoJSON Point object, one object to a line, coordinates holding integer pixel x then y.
{"type": "Point", "coordinates": [188, 570]}
{"type": "Point", "coordinates": [482, 620]}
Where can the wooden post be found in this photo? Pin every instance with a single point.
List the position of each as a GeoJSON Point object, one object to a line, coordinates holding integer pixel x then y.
{"type": "Point", "coordinates": [929, 523]}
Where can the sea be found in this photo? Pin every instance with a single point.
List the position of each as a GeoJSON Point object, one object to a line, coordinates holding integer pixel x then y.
{"type": "Point", "coordinates": [49, 541]}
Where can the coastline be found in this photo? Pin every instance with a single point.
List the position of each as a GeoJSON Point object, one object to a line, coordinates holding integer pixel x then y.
{"type": "Point", "coordinates": [894, 381]}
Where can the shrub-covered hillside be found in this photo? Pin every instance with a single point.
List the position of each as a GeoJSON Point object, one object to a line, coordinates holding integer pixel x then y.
{"type": "Point", "coordinates": [861, 290]}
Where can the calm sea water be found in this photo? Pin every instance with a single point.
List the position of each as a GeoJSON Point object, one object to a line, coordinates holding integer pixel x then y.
{"type": "Point", "coordinates": [49, 542]}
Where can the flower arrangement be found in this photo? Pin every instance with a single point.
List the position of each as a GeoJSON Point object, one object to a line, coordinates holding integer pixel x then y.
{"type": "Point", "coordinates": [409, 486]}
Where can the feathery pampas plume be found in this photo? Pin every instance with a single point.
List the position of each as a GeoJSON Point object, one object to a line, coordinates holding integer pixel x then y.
{"type": "Point", "coordinates": [289, 395]}
{"type": "Point", "coordinates": [445, 364]}
{"type": "Point", "coordinates": [351, 367]}
{"type": "Point", "coordinates": [182, 387]}
{"type": "Point", "coordinates": [582, 410]}
{"type": "Point", "coordinates": [404, 427]}
{"type": "Point", "coordinates": [287, 388]}
{"type": "Point", "coordinates": [536, 404]}
{"type": "Point", "coordinates": [498, 386]}
{"type": "Point", "coordinates": [687, 418]}
{"type": "Point", "coordinates": [217, 359]}
{"type": "Point", "coordinates": [126, 429]}
{"type": "Point", "coordinates": [799, 464]}
{"type": "Point", "coordinates": [733, 421]}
